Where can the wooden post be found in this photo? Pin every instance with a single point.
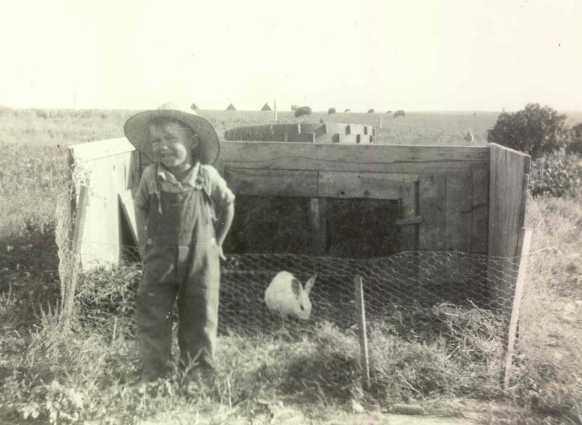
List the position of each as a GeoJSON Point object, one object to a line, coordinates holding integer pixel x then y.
{"type": "Point", "coordinates": [525, 241]}
{"type": "Point", "coordinates": [114, 333]}
{"type": "Point", "coordinates": [361, 318]}
{"type": "Point", "coordinates": [73, 276]}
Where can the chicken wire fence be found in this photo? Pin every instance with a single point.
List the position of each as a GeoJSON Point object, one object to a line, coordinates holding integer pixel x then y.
{"type": "Point", "coordinates": [404, 289]}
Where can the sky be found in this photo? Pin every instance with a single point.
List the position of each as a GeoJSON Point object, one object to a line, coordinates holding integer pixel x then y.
{"type": "Point", "coordinates": [425, 55]}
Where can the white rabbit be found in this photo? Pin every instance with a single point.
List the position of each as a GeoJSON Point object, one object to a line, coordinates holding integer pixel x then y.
{"type": "Point", "coordinates": [286, 296]}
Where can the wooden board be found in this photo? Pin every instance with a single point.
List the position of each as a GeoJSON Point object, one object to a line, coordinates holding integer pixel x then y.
{"type": "Point", "coordinates": [362, 185]}
{"type": "Point", "coordinates": [433, 209]}
{"type": "Point", "coordinates": [108, 168]}
{"type": "Point", "coordinates": [525, 243]}
{"type": "Point", "coordinates": [265, 182]}
{"type": "Point", "coordinates": [363, 158]}
{"type": "Point", "coordinates": [507, 199]}
{"type": "Point", "coordinates": [458, 217]}
{"type": "Point", "coordinates": [101, 149]}
{"type": "Point", "coordinates": [318, 223]}
{"type": "Point", "coordinates": [409, 203]}
{"type": "Point", "coordinates": [480, 207]}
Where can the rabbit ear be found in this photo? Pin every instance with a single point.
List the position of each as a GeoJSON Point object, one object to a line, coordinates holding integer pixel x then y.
{"type": "Point", "coordinates": [296, 287]}
{"type": "Point", "coordinates": [309, 284]}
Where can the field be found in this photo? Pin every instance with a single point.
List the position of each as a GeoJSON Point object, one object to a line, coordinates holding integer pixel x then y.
{"type": "Point", "coordinates": [88, 375]}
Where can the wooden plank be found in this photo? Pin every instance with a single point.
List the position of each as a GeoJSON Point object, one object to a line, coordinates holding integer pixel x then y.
{"type": "Point", "coordinates": [415, 168]}
{"type": "Point", "coordinates": [266, 182]}
{"type": "Point", "coordinates": [364, 158]}
{"type": "Point", "coordinates": [409, 221]}
{"type": "Point", "coordinates": [525, 243]}
{"type": "Point", "coordinates": [70, 286]}
{"type": "Point", "coordinates": [507, 202]}
{"type": "Point", "coordinates": [103, 148]}
{"type": "Point", "coordinates": [318, 222]}
{"type": "Point", "coordinates": [433, 208]}
{"type": "Point", "coordinates": [362, 185]}
{"type": "Point", "coordinates": [480, 207]}
{"type": "Point", "coordinates": [409, 200]}
{"type": "Point", "coordinates": [458, 215]}
{"type": "Point", "coordinates": [362, 330]}
{"type": "Point", "coordinates": [128, 208]}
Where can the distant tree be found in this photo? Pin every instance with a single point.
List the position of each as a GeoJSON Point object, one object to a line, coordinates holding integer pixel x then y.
{"type": "Point", "coordinates": [536, 130]}
{"type": "Point", "coordinates": [348, 110]}
{"type": "Point", "coordinates": [399, 113]}
{"type": "Point", "coordinates": [331, 111]}
{"type": "Point", "coordinates": [266, 107]}
{"type": "Point", "coordinates": [294, 107]}
{"type": "Point", "coordinates": [302, 110]}
{"type": "Point", "coordinates": [194, 107]}
{"type": "Point", "coordinates": [231, 107]}
{"type": "Point", "coordinates": [388, 111]}
{"type": "Point", "coordinates": [371, 110]}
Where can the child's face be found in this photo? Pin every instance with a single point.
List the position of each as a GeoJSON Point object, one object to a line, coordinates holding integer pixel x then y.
{"type": "Point", "coordinates": [172, 144]}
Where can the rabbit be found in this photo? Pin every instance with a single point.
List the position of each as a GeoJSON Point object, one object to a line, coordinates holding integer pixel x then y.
{"type": "Point", "coordinates": [286, 296]}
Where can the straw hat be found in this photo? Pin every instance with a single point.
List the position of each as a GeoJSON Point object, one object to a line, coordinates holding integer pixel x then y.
{"type": "Point", "coordinates": [137, 131]}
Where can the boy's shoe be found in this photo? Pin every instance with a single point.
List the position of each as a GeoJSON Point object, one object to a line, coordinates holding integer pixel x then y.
{"type": "Point", "coordinates": [198, 380]}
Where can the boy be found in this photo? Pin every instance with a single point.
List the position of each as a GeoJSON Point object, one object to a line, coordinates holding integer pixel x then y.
{"type": "Point", "coordinates": [187, 210]}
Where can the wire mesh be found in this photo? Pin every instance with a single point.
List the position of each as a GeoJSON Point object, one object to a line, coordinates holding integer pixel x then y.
{"type": "Point", "coordinates": [395, 288]}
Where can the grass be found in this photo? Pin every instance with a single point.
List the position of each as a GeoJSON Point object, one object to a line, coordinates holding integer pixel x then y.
{"type": "Point", "coordinates": [89, 374]}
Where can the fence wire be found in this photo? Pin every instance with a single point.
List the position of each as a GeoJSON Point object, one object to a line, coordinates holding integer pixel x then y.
{"type": "Point", "coordinates": [459, 302]}
{"type": "Point", "coordinates": [396, 288]}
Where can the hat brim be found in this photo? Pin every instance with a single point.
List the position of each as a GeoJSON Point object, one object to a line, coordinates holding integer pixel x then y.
{"type": "Point", "coordinates": [137, 132]}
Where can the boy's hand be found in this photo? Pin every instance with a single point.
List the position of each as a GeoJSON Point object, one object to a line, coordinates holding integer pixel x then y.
{"type": "Point", "coordinates": [221, 253]}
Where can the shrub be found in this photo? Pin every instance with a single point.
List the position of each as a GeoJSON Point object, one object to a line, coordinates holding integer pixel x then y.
{"type": "Point", "coordinates": [536, 130]}
{"type": "Point", "coordinates": [302, 110]}
{"type": "Point", "coordinates": [575, 145]}
{"type": "Point", "coordinates": [556, 174]}
{"type": "Point", "coordinates": [331, 111]}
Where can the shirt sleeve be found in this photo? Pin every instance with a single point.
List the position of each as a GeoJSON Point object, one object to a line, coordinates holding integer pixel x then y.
{"type": "Point", "coordinates": [142, 195]}
{"type": "Point", "coordinates": [219, 191]}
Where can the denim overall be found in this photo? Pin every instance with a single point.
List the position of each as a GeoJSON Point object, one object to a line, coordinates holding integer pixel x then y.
{"type": "Point", "coordinates": [181, 260]}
